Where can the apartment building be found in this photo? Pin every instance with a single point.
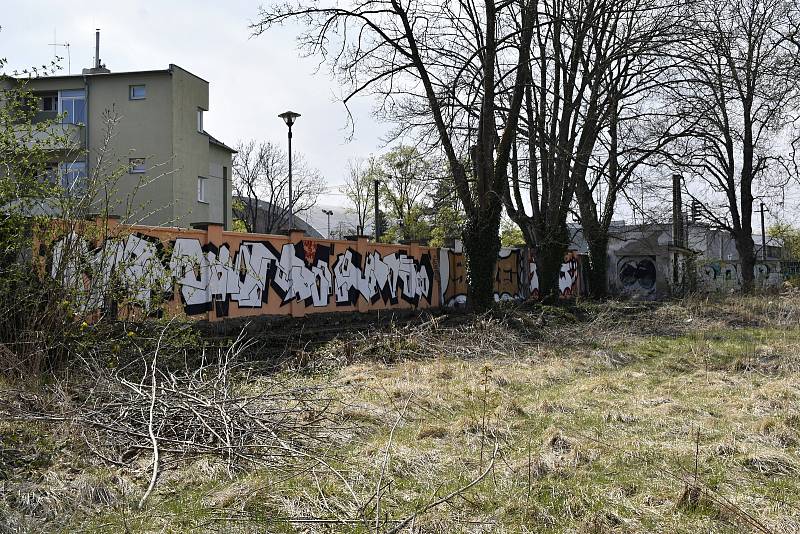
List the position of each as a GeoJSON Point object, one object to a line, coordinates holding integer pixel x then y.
{"type": "Point", "coordinates": [164, 167]}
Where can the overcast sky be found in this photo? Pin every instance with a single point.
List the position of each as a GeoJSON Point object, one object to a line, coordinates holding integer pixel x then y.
{"type": "Point", "coordinates": [252, 79]}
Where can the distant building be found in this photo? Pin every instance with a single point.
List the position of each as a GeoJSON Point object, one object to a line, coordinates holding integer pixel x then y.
{"type": "Point", "coordinates": [642, 258]}
{"type": "Point", "coordinates": [261, 226]}
{"type": "Point", "coordinates": [174, 173]}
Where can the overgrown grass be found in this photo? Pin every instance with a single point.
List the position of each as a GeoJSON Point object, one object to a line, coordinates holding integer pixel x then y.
{"type": "Point", "coordinates": [604, 417]}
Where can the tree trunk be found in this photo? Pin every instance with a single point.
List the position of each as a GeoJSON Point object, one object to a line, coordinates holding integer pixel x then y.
{"type": "Point", "coordinates": [597, 270]}
{"type": "Point", "coordinates": [481, 245]}
{"type": "Point", "coordinates": [549, 260]}
{"type": "Point", "coordinates": [550, 253]}
{"type": "Point", "coordinates": [747, 258]}
{"type": "Point", "coordinates": [596, 235]}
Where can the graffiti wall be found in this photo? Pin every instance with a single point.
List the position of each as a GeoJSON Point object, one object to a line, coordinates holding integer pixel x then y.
{"type": "Point", "coordinates": [453, 278]}
{"type": "Point", "coordinates": [516, 276]}
{"type": "Point", "coordinates": [637, 276]}
{"type": "Point", "coordinates": [214, 274]}
{"type": "Point", "coordinates": [726, 276]}
{"type": "Point", "coordinates": [569, 281]}
{"type": "Point", "coordinates": [509, 275]}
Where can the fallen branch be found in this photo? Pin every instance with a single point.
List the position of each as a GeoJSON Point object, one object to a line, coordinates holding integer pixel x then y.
{"type": "Point", "coordinates": [150, 430]}
{"type": "Point", "coordinates": [449, 496]}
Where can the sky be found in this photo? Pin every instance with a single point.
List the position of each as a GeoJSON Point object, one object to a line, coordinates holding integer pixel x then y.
{"type": "Point", "coordinates": [252, 79]}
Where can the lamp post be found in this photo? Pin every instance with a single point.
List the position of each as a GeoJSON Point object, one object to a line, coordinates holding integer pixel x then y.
{"type": "Point", "coordinates": [328, 213]}
{"type": "Point", "coordinates": [763, 236]}
{"type": "Point", "coordinates": [377, 212]}
{"type": "Point", "coordinates": [290, 117]}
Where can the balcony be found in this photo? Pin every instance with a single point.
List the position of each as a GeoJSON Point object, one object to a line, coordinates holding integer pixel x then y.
{"type": "Point", "coordinates": [43, 116]}
{"type": "Point", "coordinates": [51, 136]}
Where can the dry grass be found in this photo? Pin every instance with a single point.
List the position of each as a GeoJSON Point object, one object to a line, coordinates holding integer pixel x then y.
{"type": "Point", "coordinates": [613, 417]}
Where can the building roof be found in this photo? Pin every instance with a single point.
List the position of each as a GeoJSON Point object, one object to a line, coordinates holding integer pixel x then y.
{"type": "Point", "coordinates": [168, 70]}
{"type": "Point", "coordinates": [214, 141]}
{"type": "Point", "coordinates": [297, 222]}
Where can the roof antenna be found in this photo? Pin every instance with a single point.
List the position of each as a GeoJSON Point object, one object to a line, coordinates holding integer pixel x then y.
{"type": "Point", "coordinates": [55, 44]}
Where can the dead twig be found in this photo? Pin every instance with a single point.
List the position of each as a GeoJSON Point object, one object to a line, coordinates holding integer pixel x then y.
{"type": "Point", "coordinates": [386, 464]}
{"type": "Point", "coordinates": [150, 430]}
{"type": "Point", "coordinates": [450, 495]}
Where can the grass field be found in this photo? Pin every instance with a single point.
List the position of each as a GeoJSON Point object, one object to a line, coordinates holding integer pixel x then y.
{"type": "Point", "coordinates": [595, 417]}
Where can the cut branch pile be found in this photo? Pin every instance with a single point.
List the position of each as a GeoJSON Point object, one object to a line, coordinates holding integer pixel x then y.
{"type": "Point", "coordinates": [176, 416]}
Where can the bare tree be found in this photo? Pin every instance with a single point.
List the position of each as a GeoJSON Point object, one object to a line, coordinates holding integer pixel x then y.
{"type": "Point", "coordinates": [738, 86]}
{"type": "Point", "coordinates": [631, 61]}
{"type": "Point", "coordinates": [424, 52]}
{"type": "Point", "coordinates": [261, 185]}
{"type": "Point", "coordinates": [592, 61]}
{"type": "Point", "coordinates": [360, 191]}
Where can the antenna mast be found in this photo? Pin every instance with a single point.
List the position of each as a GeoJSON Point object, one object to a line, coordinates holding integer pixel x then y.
{"type": "Point", "coordinates": [56, 44]}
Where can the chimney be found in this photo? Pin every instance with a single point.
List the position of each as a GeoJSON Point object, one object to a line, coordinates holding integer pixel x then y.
{"type": "Point", "coordinates": [677, 229]}
{"type": "Point", "coordinates": [677, 211]}
{"type": "Point", "coordinates": [97, 48]}
{"type": "Point", "coordinates": [98, 68]}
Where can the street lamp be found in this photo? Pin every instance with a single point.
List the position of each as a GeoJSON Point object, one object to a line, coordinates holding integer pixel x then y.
{"type": "Point", "coordinates": [377, 212]}
{"type": "Point", "coordinates": [328, 213]}
{"type": "Point", "coordinates": [289, 117]}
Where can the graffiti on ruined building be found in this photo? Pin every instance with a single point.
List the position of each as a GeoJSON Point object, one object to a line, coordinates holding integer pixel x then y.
{"type": "Point", "coordinates": [568, 277]}
{"type": "Point", "coordinates": [637, 275]}
{"type": "Point", "coordinates": [724, 276]}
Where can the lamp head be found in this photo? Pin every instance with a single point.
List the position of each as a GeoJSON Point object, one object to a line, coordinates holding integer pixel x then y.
{"type": "Point", "coordinates": [289, 117]}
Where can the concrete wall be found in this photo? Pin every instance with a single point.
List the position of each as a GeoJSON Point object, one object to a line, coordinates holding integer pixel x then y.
{"type": "Point", "coordinates": [213, 274]}
{"type": "Point", "coordinates": [716, 275]}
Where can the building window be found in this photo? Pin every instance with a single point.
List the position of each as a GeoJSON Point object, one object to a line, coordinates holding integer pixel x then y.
{"type": "Point", "coordinates": [201, 190]}
{"type": "Point", "coordinates": [137, 92]}
{"type": "Point", "coordinates": [73, 175]}
{"type": "Point", "coordinates": [136, 165]}
{"type": "Point", "coordinates": [51, 173]}
{"type": "Point", "coordinates": [49, 103]}
{"type": "Point", "coordinates": [72, 104]}
{"type": "Point", "coordinates": [199, 120]}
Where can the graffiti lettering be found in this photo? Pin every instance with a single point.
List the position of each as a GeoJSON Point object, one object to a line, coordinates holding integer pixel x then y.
{"type": "Point", "coordinates": [451, 275]}
{"type": "Point", "coordinates": [132, 264]}
{"type": "Point", "coordinates": [382, 277]}
{"type": "Point", "coordinates": [724, 276]}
